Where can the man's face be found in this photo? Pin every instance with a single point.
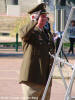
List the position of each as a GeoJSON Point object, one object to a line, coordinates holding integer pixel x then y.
{"type": "Point", "coordinates": [73, 23]}
{"type": "Point", "coordinates": [42, 20]}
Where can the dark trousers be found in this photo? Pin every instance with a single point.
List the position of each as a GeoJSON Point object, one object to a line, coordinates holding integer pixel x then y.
{"type": "Point", "coordinates": [72, 41]}
{"type": "Point", "coordinates": [57, 43]}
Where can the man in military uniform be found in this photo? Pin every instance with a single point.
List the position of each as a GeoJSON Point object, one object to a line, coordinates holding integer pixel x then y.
{"type": "Point", "coordinates": [36, 60]}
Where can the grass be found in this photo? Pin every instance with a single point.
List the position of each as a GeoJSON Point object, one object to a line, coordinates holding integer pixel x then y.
{"type": "Point", "coordinates": [20, 44]}
{"type": "Point", "coordinates": [11, 44]}
{"type": "Point", "coordinates": [67, 45]}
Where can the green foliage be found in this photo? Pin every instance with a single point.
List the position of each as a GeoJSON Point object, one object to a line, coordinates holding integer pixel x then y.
{"type": "Point", "coordinates": [21, 21]}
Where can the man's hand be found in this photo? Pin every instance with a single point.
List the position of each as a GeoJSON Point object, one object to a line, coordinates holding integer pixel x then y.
{"type": "Point", "coordinates": [35, 16]}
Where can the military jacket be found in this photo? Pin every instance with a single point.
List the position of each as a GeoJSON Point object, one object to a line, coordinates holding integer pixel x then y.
{"type": "Point", "coordinates": [36, 61]}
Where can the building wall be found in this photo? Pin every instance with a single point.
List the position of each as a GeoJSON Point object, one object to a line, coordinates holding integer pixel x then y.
{"type": "Point", "coordinates": [2, 7]}
{"type": "Point", "coordinates": [7, 23]}
{"type": "Point", "coordinates": [25, 5]}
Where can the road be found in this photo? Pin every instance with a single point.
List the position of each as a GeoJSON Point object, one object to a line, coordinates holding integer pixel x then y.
{"type": "Point", "coordinates": [10, 89]}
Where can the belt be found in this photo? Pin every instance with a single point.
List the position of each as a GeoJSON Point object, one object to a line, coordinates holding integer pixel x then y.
{"type": "Point", "coordinates": [42, 42]}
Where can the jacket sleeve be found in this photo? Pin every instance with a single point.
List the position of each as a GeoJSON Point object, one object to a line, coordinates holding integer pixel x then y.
{"type": "Point", "coordinates": [27, 28]}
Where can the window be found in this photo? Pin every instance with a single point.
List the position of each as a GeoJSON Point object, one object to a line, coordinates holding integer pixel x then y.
{"type": "Point", "coordinates": [12, 2]}
{"type": "Point", "coordinates": [15, 2]}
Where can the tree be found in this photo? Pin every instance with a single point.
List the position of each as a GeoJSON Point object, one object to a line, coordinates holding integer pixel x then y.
{"type": "Point", "coordinates": [62, 2]}
{"type": "Point", "coordinates": [69, 1]}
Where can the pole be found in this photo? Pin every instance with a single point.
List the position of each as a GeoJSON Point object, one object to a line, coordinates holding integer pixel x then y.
{"type": "Point", "coordinates": [17, 42]}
